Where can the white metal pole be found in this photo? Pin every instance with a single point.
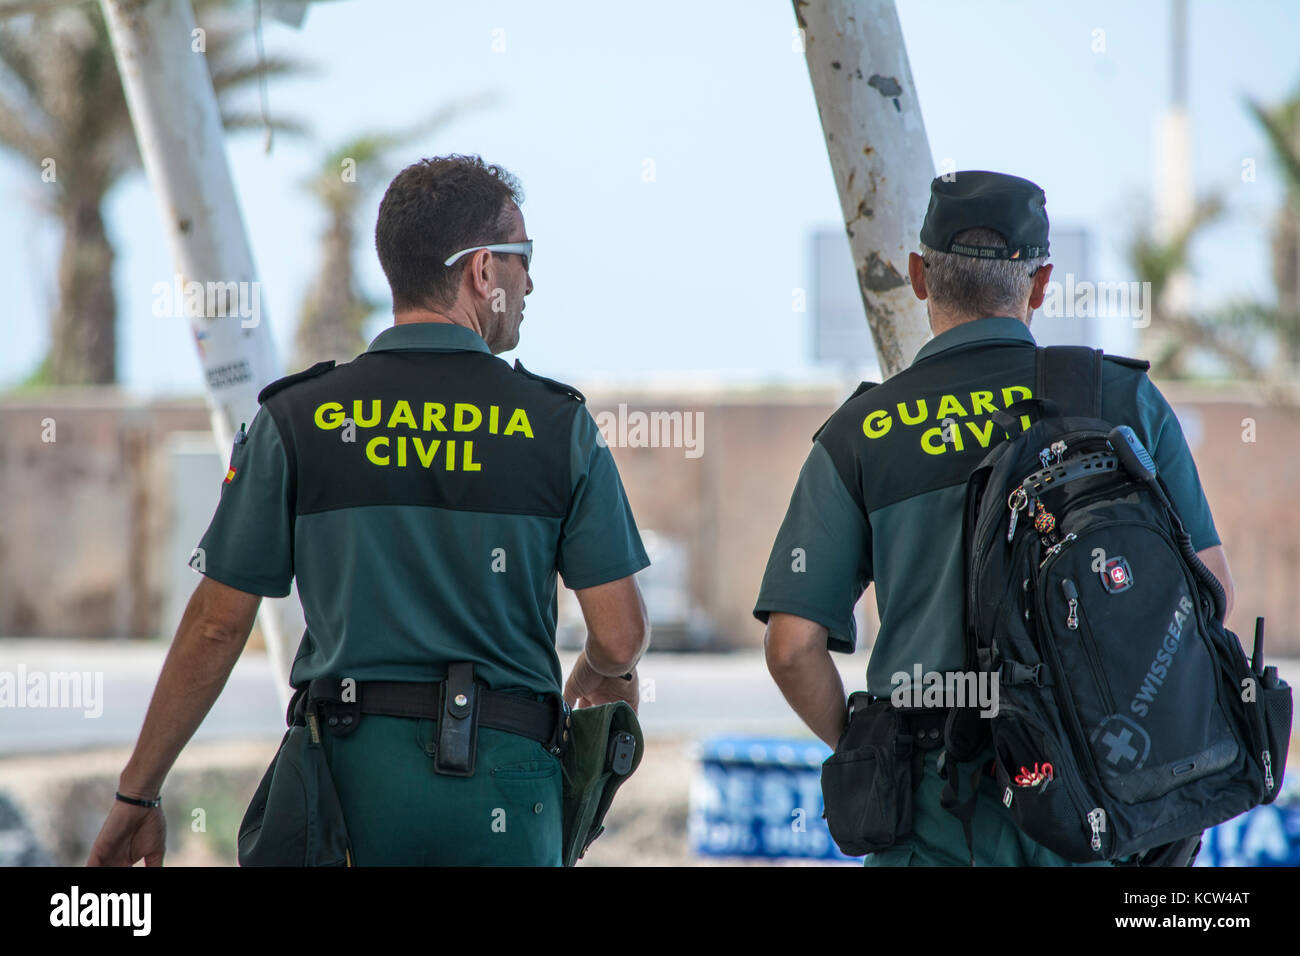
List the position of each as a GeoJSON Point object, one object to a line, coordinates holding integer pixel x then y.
{"type": "Point", "coordinates": [879, 154]}
{"type": "Point", "coordinates": [178, 126]}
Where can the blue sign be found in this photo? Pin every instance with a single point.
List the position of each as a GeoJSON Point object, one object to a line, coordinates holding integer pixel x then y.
{"type": "Point", "coordinates": [1264, 836]}
{"type": "Point", "coordinates": [760, 797]}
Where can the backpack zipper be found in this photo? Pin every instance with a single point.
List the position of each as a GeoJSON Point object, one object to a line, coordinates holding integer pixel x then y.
{"type": "Point", "coordinates": [1064, 699]}
{"type": "Point", "coordinates": [1089, 649]}
{"type": "Point", "coordinates": [1097, 821]}
{"type": "Point", "coordinates": [1072, 596]}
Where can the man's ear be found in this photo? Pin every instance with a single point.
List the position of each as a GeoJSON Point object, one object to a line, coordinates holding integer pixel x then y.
{"type": "Point", "coordinates": [479, 271]}
{"type": "Point", "coordinates": [1039, 290]}
{"type": "Point", "coordinates": [916, 272]}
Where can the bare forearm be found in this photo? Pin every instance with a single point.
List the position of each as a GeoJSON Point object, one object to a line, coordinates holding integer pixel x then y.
{"type": "Point", "coordinates": [608, 666]}
{"type": "Point", "coordinates": [618, 629]}
{"type": "Point", "coordinates": [193, 675]}
{"type": "Point", "coordinates": [802, 667]}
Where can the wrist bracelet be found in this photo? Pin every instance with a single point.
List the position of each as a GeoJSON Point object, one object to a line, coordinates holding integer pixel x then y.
{"type": "Point", "coordinates": [155, 802]}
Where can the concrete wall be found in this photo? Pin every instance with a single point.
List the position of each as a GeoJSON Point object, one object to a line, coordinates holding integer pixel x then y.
{"type": "Point", "coordinates": [84, 533]}
{"type": "Point", "coordinates": [84, 515]}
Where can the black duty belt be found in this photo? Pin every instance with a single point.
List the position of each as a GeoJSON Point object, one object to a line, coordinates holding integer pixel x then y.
{"type": "Point", "coordinates": [543, 721]}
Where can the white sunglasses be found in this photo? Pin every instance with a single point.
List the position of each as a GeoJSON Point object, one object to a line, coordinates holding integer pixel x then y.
{"type": "Point", "coordinates": [524, 249]}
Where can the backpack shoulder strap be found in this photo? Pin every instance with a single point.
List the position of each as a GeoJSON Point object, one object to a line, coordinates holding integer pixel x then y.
{"type": "Point", "coordinates": [1070, 375]}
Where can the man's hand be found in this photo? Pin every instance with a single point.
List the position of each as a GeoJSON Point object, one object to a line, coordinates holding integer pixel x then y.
{"type": "Point", "coordinates": [211, 635]}
{"type": "Point", "coordinates": [128, 835]}
{"type": "Point", "coordinates": [586, 688]}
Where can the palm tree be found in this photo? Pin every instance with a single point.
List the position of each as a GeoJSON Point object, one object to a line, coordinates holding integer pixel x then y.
{"type": "Point", "coordinates": [334, 311]}
{"type": "Point", "coordinates": [1281, 125]}
{"type": "Point", "coordinates": [63, 111]}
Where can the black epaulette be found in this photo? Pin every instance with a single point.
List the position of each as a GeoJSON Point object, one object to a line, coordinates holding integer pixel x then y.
{"type": "Point", "coordinates": [558, 386]}
{"type": "Point", "coordinates": [1142, 364]}
{"type": "Point", "coordinates": [320, 368]}
{"type": "Point", "coordinates": [864, 387]}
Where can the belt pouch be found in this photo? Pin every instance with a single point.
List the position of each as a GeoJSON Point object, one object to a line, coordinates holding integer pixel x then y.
{"type": "Point", "coordinates": [457, 722]}
{"type": "Point", "coordinates": [867, 781]}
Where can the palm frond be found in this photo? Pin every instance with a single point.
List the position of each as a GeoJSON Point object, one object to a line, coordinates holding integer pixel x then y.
{"type": "Point", "coordinates": [239, 121]}
{"type": "Point", "coordinates": [232, 76]}
{"type": "Point", "coordinates": [1282, 137]}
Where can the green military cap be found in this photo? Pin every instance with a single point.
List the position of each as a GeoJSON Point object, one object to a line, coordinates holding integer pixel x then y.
{"type": "Point", "coordinates": [1013, 207]}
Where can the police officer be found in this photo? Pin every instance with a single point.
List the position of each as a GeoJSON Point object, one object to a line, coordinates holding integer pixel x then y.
{"type": "Point", "coordinates": [880, 497]}
{"type": "Point", "coordinates": [424, 495]}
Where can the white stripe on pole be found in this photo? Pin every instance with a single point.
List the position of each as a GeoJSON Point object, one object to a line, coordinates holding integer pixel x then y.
{"type": "Point", "coordinates": [182, 144]}
{"type": "Point", "coordinates": [879, 154]}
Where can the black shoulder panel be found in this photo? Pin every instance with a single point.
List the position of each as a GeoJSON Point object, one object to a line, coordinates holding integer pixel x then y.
{"type": "Point", "coordinates": [279, 384]}
{"type": "Point", "coordinates": [558, 386]}
{"type": "Point", "coordinates": [1142, 364]}
{"type": "Point", "coordinates": [865, 386]}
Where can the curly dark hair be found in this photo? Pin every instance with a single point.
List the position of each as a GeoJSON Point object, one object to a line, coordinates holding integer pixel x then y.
{"type": "Point", "coordinates": [433, 209]}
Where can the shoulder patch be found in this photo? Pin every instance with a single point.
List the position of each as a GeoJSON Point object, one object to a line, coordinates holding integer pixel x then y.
{"type": "Point", "coordinates": [863, 387]}
{"type": "Point", "coordinates": [558, 386]}
{"type": "Point", "coordinates": [1142, 364]}
{"type": "Point", "coordinates": [282, 383]}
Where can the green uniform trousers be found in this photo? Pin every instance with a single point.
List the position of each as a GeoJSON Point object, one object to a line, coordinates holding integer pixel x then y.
{"type": "Point", "coordinates": [400, 813]}
{"type": "Point", "coordinates": [937, 838]}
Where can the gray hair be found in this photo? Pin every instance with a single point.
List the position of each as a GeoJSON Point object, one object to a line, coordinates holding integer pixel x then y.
{"type": "Point", "coordinates": [979, 287]}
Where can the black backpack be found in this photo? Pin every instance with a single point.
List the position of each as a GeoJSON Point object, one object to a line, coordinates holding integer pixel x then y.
{"type": "Point", "coordinates": [1129, 719]}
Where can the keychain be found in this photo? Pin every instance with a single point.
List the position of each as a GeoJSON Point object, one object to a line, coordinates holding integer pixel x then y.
{"type": "Point", "coordinates": [1033, 778]}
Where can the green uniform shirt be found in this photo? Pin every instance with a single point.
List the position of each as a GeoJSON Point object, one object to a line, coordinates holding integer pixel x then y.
{"type": "Point", "coordinates": [881, 495]}
{"type": "Point", "coordinates": [425, 496]}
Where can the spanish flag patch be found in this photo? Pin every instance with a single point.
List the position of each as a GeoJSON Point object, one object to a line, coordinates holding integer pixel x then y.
{"type": "Point", "coordinates": [230, 475]}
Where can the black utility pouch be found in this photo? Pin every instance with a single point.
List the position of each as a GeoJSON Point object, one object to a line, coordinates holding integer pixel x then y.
{"type": "Point", "coordinates": [457, 722]}
{"type": "Point", "coordinates": [867, 781]}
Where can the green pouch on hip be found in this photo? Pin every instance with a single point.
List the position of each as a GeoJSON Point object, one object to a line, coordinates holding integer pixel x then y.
{"type": "Point", "coordinates": [604, 748]}
{"type": "Point", "coordinates": [295, 818]}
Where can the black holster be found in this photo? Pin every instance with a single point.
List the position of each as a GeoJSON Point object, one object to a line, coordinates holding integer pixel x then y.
{"type": "Point", "coordinates": [867, 782]}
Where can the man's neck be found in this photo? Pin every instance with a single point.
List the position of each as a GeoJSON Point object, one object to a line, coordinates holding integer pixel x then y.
{"type": "Point", "coordinates": [941, 322]}
{"type": "Point", "coordinates": [452, 316]}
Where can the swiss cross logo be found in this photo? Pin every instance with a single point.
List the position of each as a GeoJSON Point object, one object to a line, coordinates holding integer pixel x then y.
{"type": "Point", "coordinates": [1116, 576]}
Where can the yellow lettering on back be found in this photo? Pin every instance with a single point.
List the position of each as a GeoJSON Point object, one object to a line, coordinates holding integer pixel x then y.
{"type": "Point", "coordinates": [451, 454]}
{"type": "Point", "coordinates": [402, 415]}
{"type": "Point", "coordinates": [1010, 390]}
{"type": "Point", "coordinates": [426, 456]}
{"type": "Point", "coordinates": [363, 422]}
{"type": "Point", "coordinates": [335, 418]}
{"type": "Point", "coordinates": [433, 412]}
{"type": "Point", "coordinates": [948, 405]}
{"type": "Point", "coordinates": [493, 413]}
{"type": "Point", "coordinates": [467, 462]}
{"type": "Point", "coordinates": [927, 441]}
{"type": "Point", "coordinates": [519, 423]}
{"type": "Point", "coordinates": [984, 435]}
{"type": "Point", "coordinates": [920, 412]}
{"type": "Point", "coordinates": [981, 402]}
{"type": "Point", "coordinates": [883, 423]}
{"type": "Point", "coordinates": [475, 414]}
{"type": "Point", "coordinates": [401, 451]}
{"type": "Point", "coordinates": [370, 449]}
